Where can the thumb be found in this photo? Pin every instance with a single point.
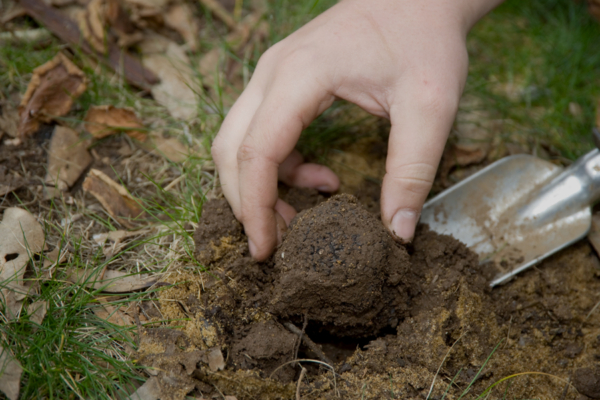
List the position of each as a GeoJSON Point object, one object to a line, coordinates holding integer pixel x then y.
{"type": "Point", "coordinates": [417, 138]}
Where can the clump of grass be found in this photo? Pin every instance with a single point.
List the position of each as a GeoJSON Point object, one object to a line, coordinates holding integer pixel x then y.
{"type": "Point", "coordinates": [549, 51]}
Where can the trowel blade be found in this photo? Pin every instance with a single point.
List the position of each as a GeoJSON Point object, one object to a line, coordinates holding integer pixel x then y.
{"type": "Point", "coordinates": [480, 211]}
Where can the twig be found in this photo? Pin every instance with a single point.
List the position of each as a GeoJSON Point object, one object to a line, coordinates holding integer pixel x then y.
{"type": "Point", "coordinates": [311, 345]}
{"type": "Point", "coordinates": [220, 12]}
{"type": "Point", "coordinates": [302, 373]}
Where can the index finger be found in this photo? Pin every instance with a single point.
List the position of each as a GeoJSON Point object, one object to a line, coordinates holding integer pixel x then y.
{"type": "Point", "coordinates": [285, 111]}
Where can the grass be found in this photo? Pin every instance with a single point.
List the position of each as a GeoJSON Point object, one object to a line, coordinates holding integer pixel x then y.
{"type": "Point", "coordinates": [547, 50]}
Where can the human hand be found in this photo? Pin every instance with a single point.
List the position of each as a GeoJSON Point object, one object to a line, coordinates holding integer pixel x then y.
{"type": "Point", "coordinates": [402, 60]}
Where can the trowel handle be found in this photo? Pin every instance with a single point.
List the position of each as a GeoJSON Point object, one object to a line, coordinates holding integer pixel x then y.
{"type": "Point", "coordinates": [587, 172]}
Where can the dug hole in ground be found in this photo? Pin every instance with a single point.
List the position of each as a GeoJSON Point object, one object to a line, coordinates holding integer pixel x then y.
{"type": "Point", "coordinates": [370, 318]}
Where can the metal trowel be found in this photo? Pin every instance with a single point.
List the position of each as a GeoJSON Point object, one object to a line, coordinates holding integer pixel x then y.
{"type": "Point", "coordinates": [519, 210]}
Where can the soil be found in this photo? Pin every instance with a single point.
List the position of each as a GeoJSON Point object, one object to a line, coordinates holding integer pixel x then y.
{"type": "Point", "coordinates": [395, 321]}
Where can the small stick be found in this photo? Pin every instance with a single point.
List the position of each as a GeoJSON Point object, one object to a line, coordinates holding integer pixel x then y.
{"type": "Point", "coordinates": [311, 345]}
{"type": "Point", "coordinates": [302, 373]}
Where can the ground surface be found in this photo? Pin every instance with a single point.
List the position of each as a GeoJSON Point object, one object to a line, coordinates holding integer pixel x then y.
{"type": "Point", "coordinates": [389, 321]}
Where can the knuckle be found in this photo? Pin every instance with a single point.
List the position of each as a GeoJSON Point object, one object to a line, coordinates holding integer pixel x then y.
{"type": "Point", "coordinates": [415, 178]}
{"type": "Point", "coordinates": [437, 98]}
{"type": "Point", "coordinates": [246, 153]}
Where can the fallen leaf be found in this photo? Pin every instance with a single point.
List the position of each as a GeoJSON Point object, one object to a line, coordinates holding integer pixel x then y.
{"type": "Point", "coordinates": [121, 24]}
{"type": "Point", "coordinates": [230, 398]}
{"type": "Point", "coordinates": [50, 93]}
{"type": "Point", "coordinates": [68, 31]}
{"type": "Point", "coordinates": [9, 119]}
{"type": "Point", "coordinates": [216, 362]}
{"type": "Point", "coordinates": [112, 314]}
{"type": "Point", "coordinates": [67, 158]}
{"type": "Point", "coordinates": [117, 236]}
{"type": "Point", "coordinates": [112, 282]}
{"type": "Point", "coordinates": [5, 189]}
{"type": "Point", "coordinates": [15, 11]}
{"type": "Point", "coordinates": [594, 8]}
{"type": "Point", "coordinates": [150, 390]}
{"type": "Point", "coordinates": [21, 236]}
{"type": "Point", "coordinates": [469, 153]}
{"type": "Point", "coordinates": [114, 198]}
{"type": "Point", "coordinates": [10, 375]}
{"type": "Point", "coordinates": [148, 3]}
{"type": "Point", "coordinates": [220, 12]}
{"type": "Point", "coordinates": [102, 121]}
{"type": "Point", "coordinates": [180, 18]}
{"type": "Point", "coordinates": [170, 148]}
{"type": "Point", "coordinates": [37, 311]}
{"type": "Point", "coordinates": [91, 24]}
{"type": "Point", "coordinates": [176, 88]}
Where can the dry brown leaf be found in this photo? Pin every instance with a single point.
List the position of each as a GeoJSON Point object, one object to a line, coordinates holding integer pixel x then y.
{"type": "Point", "coordinates": [60, 3]}
{"type": "Point", "coordinates": [210, 64]}
{"type": "Point", "coordinates": [37, 311]}
{"type": "Point", "coordinates": [5, 189]}
{"type": "Point", "coordinates": [102, 121]}
{"type": "Point", "coordinates": [112, 314]}
{"type": "Point", "coordinates": [469, 153]}
{"type": "Point", "coordinates": [15, 11]}
{"type": "Point", "coordinates": [121, 24]}
{"type": "Point", "coordinates": [91, 25]}
{"type": "Point", "coordinates": [113, 197]}
{"type": "Point", "coordinates": [20, 237]}
{"type": "Point", "coordinates": [160, 4]}
{"type": "Point", "coordinates": [9, 119]}
{"type": "Point", "coordinates": [10, 375]}
{"type": "Point", "coordinates": [216, 362]}
{"type": "Point", "coordinates": [50, 93]}
{"type": "Point", "coordinates": [170, 148]}
{"type": "Point", "coordinates": [150, 390]}
{"type": "Point", "coordinates": [118, 236]}
{"type": "Point", "coordinates": [220, 12]}
{"type": "Point", "coordinates": [180, 18]}
{"type": "Point", "coordinates": [112, 282]}
{"type": "Point", "coordinates": [176, 88]}
{"type": "Point", "coordinates": [594, 8]}
{"type": "Point", "coordinates": [67, 158]}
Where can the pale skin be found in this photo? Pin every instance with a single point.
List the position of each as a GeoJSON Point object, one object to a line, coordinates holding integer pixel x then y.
{"type": "Point", "coordinates": [404, 60]}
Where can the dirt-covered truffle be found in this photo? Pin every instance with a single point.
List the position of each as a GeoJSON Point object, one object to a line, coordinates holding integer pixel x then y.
{"type": "Point", "coordinates": [337, 264]}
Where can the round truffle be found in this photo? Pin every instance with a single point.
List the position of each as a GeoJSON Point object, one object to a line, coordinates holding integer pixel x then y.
{"type": "Point", "coordinates": [334, 266]}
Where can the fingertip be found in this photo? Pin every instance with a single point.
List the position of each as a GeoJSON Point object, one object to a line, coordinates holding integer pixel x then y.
{"type": "Point", "coordinates": [403, 225]}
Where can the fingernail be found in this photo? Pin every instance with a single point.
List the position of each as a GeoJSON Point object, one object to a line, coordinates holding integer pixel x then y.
{"type": "Point", "coordinates": [324, 188]}
{"type": "Point", "coordinates": [252, 248]}
{"type": "Point", "coordinates": [404, 223]}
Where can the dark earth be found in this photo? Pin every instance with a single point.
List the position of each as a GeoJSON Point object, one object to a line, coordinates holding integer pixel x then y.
{"type": "Point", "coordinates": [390, 318]}
{"type": "Point", "coordinates": [393, 321]}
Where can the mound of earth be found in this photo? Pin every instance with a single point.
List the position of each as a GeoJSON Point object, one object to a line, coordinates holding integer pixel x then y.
{"type": "Point", "coordinates": [391, 321]}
